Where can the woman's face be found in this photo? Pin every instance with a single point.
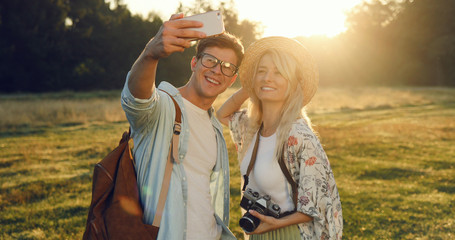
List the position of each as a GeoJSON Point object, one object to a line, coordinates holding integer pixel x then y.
{"type": "Point", "coordinates": [269, 84]}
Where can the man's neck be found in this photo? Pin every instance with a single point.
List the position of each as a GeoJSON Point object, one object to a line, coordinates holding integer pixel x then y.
{"type": "Point", "coordinates": [190, 95]}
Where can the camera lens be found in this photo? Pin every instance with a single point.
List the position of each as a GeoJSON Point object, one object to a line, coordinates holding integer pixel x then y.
{"type": "Point", "coordinates": [249, 222]}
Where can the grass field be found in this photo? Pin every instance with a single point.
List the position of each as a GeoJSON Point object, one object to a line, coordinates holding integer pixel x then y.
{"type": "Point", "coordinates": [392, 151]}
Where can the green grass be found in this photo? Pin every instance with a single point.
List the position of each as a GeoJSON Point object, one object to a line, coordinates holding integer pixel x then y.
{"type": "Point", "coordinates": [392, 152]}
{"type": "Point", "coordinates": [395, 169]}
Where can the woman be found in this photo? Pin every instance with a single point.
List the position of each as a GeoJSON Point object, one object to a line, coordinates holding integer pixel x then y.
{"type": "Point", "coordinates": [280, 77]}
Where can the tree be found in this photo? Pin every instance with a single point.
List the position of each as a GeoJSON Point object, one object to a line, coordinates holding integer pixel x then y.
{"type": "Point", "coordinates": [425, 32]}
{"type": "Point", "coordinates": [105, 43]}
{"type": "Point", "coordinates": [51, 45]}
{"type": "Point", "coordinates": [32, 44]}
{"type": "Point", "coordinates": [407, 42]}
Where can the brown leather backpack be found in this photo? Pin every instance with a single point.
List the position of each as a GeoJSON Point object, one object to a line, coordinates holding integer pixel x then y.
{"type": "Point", "coordinates": [115, 211]}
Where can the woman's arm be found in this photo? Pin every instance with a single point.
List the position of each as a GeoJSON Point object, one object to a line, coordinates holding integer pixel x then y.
{"type": "Point", "coordinates": [231, 105]}
{"type": "Point", "coordinates": [269, 223]}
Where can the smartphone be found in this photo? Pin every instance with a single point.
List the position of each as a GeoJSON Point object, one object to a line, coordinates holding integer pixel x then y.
{"type": "Point", "coordinates": [213, 22]}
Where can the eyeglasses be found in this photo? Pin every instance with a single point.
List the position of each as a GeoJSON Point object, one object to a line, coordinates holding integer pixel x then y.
{"type": "Point", "coordinates": [209, 61]}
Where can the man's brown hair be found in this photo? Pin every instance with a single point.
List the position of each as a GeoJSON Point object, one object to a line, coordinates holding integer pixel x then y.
{"type": "Point", "coordinates": [224, 40]}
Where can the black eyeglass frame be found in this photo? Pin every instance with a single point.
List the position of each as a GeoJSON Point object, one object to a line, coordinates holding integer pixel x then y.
{"type": "Point", "coordinates": [218, 61]}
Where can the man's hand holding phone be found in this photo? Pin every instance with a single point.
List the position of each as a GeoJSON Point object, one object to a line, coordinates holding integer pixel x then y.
{"type": "Point", "coordinates": [173, 36]}
{"type": "Point", "coordinates": [177, 33]}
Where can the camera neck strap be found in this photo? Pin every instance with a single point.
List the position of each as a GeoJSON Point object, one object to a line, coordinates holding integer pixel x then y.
{"type": "Point", "coordinates": [282, 164]}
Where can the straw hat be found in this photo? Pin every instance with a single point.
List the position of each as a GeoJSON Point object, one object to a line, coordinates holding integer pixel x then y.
{"type": "Point", "coordinates": [310, 75]}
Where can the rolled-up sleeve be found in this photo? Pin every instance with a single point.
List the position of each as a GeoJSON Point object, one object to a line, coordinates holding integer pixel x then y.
{"type": "Point", "coordinates": [139, 112]}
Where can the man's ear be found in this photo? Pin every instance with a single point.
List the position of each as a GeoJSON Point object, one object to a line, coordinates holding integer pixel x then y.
{"type": "Point", "coordinates": [193, 63]}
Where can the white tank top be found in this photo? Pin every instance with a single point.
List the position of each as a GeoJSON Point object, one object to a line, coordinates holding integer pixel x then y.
{"type": "Point", "coordinates": [266, 176]}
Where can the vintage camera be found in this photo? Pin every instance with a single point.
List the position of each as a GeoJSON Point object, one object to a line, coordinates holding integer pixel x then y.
{"type": "Point", "coordinates": [261, 204]}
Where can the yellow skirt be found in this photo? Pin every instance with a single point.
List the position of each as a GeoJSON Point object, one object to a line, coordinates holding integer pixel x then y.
{"type": "Point", "coordinates": [287, 233]}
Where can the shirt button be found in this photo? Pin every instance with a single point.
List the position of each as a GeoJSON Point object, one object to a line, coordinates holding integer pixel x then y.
{"type": "Point", "coordinates": [181, 156]}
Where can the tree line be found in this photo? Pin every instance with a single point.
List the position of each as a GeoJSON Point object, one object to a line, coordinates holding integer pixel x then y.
{"type": "Point", "coordinates": [391, 42]}
{"type": "Point", "coordinates": [52, 45]}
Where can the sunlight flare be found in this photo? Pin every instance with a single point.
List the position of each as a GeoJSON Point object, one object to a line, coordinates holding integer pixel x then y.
{"type": "Point", "coordinates": [289, 18]}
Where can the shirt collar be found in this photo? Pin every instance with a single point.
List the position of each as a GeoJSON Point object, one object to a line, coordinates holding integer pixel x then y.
{"type": "Point", "coordinates": [169, 88]}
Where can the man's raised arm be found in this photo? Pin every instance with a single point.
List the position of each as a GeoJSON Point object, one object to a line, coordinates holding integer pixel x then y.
{"type": "Point", "coordinates": [173, 36]}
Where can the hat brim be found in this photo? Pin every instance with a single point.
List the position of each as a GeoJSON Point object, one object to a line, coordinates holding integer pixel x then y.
{"type": "Point", "coordinates": [306, 63]}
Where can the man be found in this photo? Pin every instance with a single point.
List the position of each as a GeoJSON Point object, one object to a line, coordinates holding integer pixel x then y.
{"type": "Point", "coordinates": [197, 205]}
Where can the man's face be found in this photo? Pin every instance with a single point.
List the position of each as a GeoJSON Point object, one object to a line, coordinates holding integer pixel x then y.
{"type": "Point", "coordinates": [210, 82]}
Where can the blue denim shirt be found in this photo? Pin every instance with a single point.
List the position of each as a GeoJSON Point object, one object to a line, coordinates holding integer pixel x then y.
{"type": "Point", "coordinates": [151, 123]}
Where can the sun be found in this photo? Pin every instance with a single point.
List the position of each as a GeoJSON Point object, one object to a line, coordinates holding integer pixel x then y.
{"type": "Point", "coordinates": [293, 18]}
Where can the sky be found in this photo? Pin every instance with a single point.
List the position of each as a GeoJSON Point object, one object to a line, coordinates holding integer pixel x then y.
{"type": "Point", "coordinates": [290, 18]}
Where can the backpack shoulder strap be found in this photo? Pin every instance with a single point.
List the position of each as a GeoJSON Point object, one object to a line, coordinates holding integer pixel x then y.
{"type": "Point", "coordinates": [172, 157]}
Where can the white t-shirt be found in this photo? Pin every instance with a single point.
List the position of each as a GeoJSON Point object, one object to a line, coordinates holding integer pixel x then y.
{"type": "Point", "coordinates": [198, 163]}
{"type": "Point", "coordinates": [266, 176]}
